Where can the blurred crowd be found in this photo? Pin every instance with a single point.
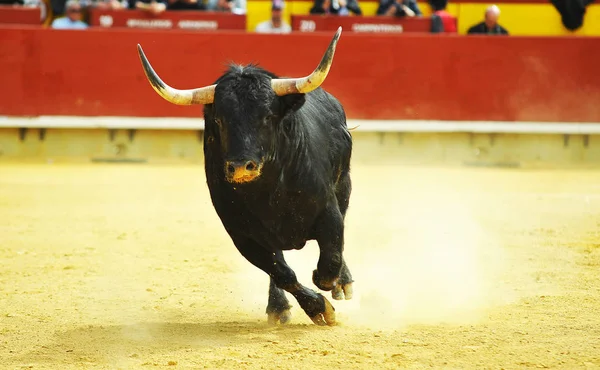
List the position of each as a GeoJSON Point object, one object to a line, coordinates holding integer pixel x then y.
{"type": "Point", "coordinates": [68, 14]}
{"type": "Point", "coordinates": [442, 20]}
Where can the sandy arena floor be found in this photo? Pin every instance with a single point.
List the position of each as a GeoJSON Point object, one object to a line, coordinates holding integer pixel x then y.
{"type": "Point", "coordinates": [128, 266]}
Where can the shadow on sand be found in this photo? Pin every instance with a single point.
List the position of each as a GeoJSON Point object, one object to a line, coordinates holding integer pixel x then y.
{"type": "Point", "coordinates": [95, 344]}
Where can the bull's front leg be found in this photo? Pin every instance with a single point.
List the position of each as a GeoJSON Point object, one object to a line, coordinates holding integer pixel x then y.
{"type": "Point", "coordinates": [332, 272]}
{"type": "Point", "coordinates": [283, 277]}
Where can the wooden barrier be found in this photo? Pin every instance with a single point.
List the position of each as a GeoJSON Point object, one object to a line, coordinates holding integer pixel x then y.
{"type": "Point", "coordinates": [97, 72]}
{"type": "Point", "coordinates": [20, 15]}
{"type": "Point", "coordinates": [184, 19]}
{"type": "Point", "coordinates": [315, 23]}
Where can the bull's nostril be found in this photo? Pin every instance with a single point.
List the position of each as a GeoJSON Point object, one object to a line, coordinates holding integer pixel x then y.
{"type": "Point", "coordinates": [250, 166]}
{"type": "Point", "coordinates": [230, 168]}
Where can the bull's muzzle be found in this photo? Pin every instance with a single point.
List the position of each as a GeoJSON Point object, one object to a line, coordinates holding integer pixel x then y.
{"type": "Point", "coordinates": [242, 171]}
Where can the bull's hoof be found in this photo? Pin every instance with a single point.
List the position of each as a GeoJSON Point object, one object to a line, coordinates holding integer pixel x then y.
{"type": "Point", "coordinates": [327, 317]}
{"type": "Point", "coordinates": [322, 283]}
{"type": "Point", "coordinates": [342, 291]}
{"type": "Point", "coordinates": [282, 317]}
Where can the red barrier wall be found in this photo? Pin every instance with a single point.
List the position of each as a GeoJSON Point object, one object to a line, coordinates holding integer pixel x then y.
{"type": "Point", "coordinates": [10, 14]}
{"type": "Point", "coordinates": [316, 23]}
{"type": "Point", "coordinates": [181, 19]}
{"type": "Point", "coordinates": [376, 76]}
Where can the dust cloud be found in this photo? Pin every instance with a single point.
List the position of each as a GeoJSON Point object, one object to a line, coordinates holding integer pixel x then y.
{"type": "Point", "coordinates": [424, 258]}
{"type": "Point", "coordinates": [435, 264]}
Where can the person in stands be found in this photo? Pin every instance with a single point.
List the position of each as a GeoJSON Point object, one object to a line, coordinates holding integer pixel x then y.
{"type": "Point", "coordinates": [72, 19]}
{"type": "Point", "coordinates": [227, 6]}
{"type": "Point", "coordinates": [152, 6]}
{"type": "Point", "coordinates": [490, 25]}
{"type": "Point", "coordinates": [441, 19]}
{"type": "Point", "coordinates": [185, 5]}
{"type": "Point", "coordinates": [399, 8]}
{"type": "Point", "coordinates": [336, 7]}
{"type": "Point", "coordinates": [276, 24]}
{"type": "Point", "coordinates": [110, 4]}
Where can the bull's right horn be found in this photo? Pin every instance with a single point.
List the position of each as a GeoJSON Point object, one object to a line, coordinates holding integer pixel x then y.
{"type": "Point", "coordinates": [202, 95]}
{"type": "Point", "coordinates": [303, 85]}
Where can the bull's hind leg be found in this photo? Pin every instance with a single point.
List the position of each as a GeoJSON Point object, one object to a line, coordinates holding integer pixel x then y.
{"type": "Point", "coordinates": [278, 308]}
{"type": "Point", "coordinates": [314, 304]}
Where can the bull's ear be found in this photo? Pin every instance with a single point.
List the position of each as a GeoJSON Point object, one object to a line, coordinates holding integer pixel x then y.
{"type": "Point", "coordinates": [291, 102]}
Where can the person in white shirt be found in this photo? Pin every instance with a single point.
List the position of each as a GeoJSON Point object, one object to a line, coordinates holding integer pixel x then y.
{"type": "Point", "coordinates": [276, 24]}
{"type": "Point", "coordinates": [72, 20]}
{"type": "Point", "coordinates": [228, 6]}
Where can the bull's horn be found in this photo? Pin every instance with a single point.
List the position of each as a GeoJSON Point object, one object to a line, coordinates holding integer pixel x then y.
{"type": "Point", "coordinates": [202, 95]}
{"type": "Point", "coordinates": [284, 86]}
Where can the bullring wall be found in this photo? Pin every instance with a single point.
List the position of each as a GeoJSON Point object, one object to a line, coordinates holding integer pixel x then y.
{"type": "Point", "coordinates": [376, 76]}
{"type": "Point", "coordinates": [452, 79]}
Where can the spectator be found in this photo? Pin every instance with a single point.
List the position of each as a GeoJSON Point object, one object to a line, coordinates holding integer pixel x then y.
{"type": "Point", "coordinates": [110, 4]}
{"type": "Point", "coordinates": [72, 19]}
{"type": "Point", "coordinates": [276, 24]}
{"type": "Point", "coordinates": [152, 6]}
{"type": "Point", "coordinates": [233, 6]}
{"type": "Point", "coordinates": [185, 5]}
{"type": "Point", "coordinates": [490, 25]}
{"type": "Point", "coordinates": [336, 7]}
{"type": "Point", "coordinates": [441, 19]}
{"type": "Point", "coordinates": [26, 3]}
{"type": "Point", "coordinates": [399, 8]}
{"type": "Point", "coordinates": [58, 7]}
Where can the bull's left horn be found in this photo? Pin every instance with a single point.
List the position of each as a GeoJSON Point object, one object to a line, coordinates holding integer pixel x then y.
{"type": "Point", "coordinates": [202, 95]}
{"type": "Point", "coordinates": [284, 86]}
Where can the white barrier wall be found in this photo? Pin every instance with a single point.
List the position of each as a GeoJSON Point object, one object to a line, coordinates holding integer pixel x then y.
{"type": "Point", "coordinates": [116, 139]}
{"type": "Point", "coordinates": [357, 125]}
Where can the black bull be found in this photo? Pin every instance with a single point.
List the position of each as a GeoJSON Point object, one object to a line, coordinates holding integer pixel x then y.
{"type": "Point", "coordinates": [277, 161]}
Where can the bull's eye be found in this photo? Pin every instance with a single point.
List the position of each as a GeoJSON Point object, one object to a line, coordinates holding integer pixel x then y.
{"type": "Point", "coordinates": [210, 139]}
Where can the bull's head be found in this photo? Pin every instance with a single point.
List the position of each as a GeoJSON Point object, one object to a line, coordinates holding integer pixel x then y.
{"type": "Point", "coordinates": [245, 108]}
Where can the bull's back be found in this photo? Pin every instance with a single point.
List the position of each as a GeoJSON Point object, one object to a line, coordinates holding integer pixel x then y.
{"type": "Point", "coordinates": [326, 106]}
